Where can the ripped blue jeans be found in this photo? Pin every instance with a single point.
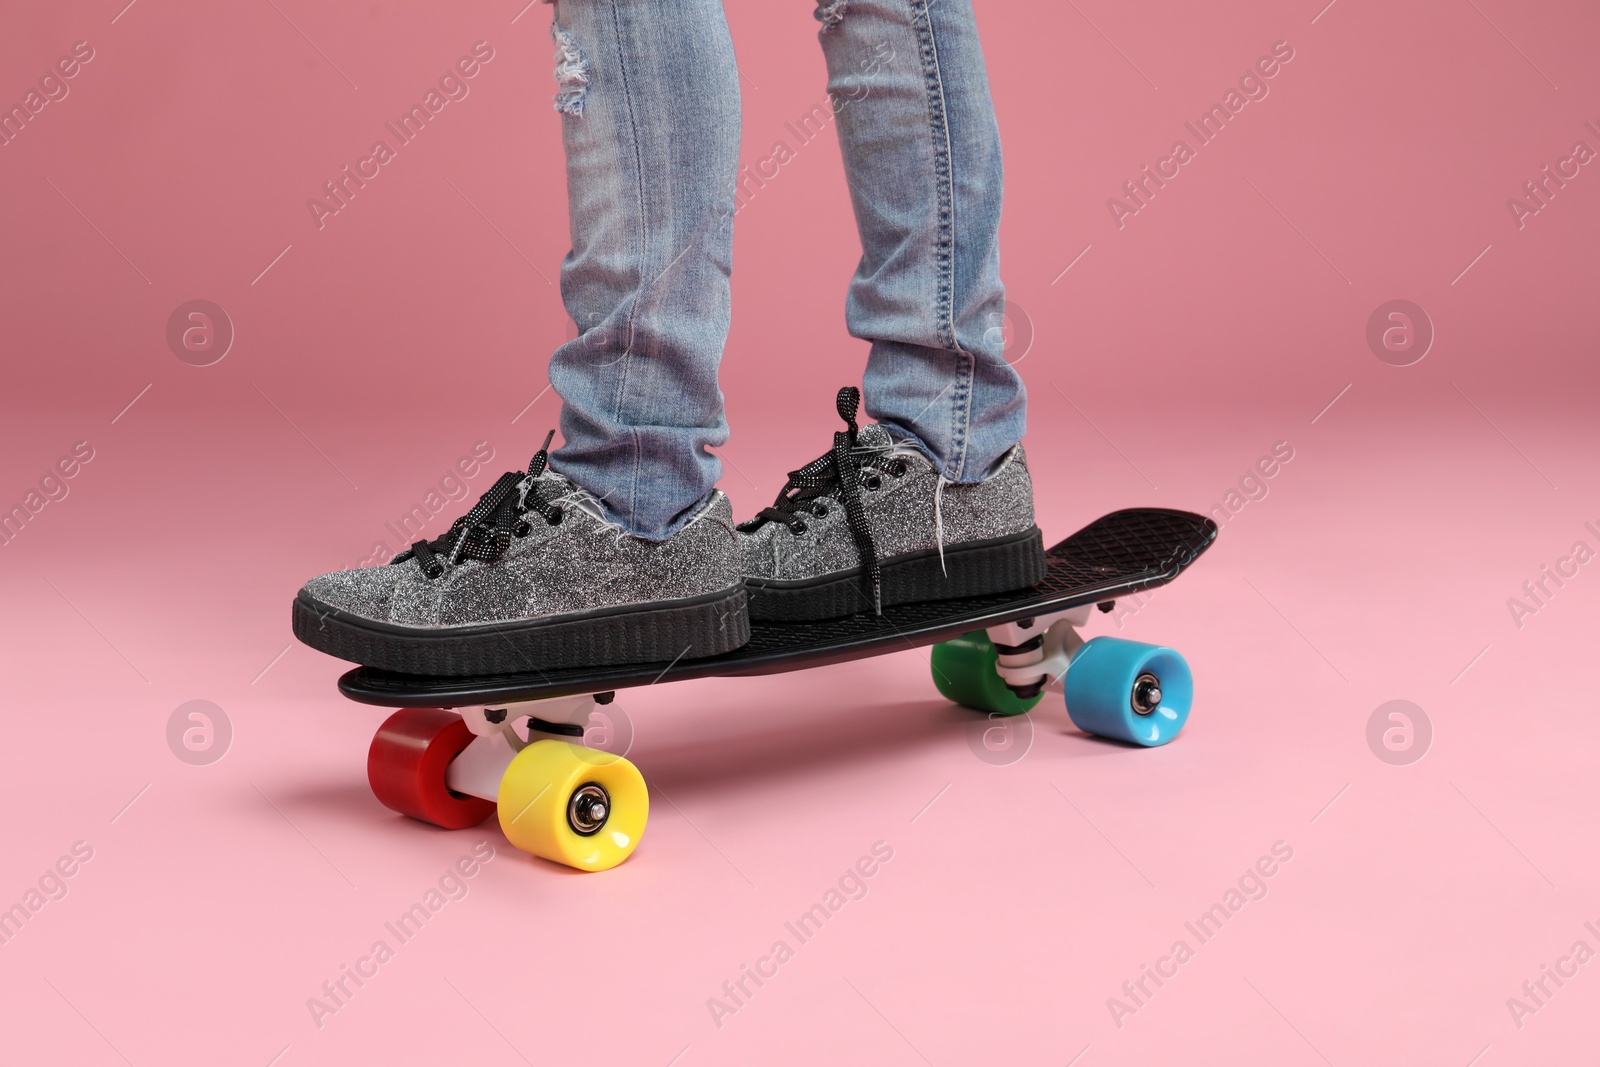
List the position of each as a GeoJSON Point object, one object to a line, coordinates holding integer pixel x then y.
{"type": "Point", "coordinates": [649, 96]}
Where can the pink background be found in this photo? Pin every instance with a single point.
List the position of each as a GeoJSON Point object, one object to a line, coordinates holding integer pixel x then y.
{"type": "Point", "coordinates": [1226, 316]}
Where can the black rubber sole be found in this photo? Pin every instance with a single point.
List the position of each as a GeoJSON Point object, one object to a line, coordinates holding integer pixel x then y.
{"type": "Point", "coordinates": [974, 568]}
{"type": "Point", "coordinates": [654, 633]}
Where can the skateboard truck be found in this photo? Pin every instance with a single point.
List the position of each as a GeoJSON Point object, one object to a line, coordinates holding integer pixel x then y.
{"type": "Point", "coordinates": [478, 770]}
{"type": "Point", "coordinates": [1034, 653]}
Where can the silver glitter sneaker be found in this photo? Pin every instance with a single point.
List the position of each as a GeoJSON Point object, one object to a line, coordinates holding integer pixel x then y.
{"type": "Point", "coordinates": [534, 577]}
{"type": "Point", "coordinates": [872, 523]}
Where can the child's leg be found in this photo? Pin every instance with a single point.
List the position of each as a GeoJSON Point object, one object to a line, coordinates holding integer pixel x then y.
{"type": "Point", "coordinates": [934, 501]}
{"type": "Point", "coordinates": [650, 99]}
{"type": "Point", "coordinates": [922, 155]}
{"type": "Point", "coordinates": [536, 576]}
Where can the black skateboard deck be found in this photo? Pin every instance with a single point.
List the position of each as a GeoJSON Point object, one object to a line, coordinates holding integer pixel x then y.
{"type": "Point", "coordinates": [1116, 555]}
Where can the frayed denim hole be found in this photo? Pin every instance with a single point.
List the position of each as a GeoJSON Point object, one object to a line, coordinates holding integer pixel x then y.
{"type": "Point", "coordinates": [572, 72]}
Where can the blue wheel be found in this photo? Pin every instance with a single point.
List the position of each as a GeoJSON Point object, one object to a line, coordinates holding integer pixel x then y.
{"type": "Point", "coordinates": [1128, 691]}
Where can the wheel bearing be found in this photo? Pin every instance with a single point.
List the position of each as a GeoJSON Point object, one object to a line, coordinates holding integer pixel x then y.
{"type": "Point", "coordinates": [1146, 695]}
{"type": "Point", "coordinates": [588, 809]}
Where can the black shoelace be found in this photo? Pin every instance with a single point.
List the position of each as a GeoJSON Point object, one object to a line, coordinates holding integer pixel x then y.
{"type": "Point", "coordinates": [841, 472]}
{"type": "Point", "coordinates": [499, 515]}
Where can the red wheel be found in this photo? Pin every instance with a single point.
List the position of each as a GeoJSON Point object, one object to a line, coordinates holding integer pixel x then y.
{"type": "Point", "coordinates": [406, 765]}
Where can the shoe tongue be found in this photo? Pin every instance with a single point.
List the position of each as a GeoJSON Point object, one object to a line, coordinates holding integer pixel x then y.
{"type": "Point", "coordinates": [872, 436]}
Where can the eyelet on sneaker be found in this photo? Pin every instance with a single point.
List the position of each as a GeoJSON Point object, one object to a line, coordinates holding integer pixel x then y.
{"type": "Point", "coordinates": [798, 528]}
{"type": "Point", "coordinates": [897, 468]}
{"type": "Point", "coordinates": [872, 481]}
{"type": "Point", "coordinates": [820, 511]}
{"type": "Point", "coordinates": [555, 519]}
{"type": "Point", "coordinates": [522, 529]}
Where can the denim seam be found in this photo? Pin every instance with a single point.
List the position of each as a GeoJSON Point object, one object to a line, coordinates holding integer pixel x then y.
{"type": "Point", "coordinates": [939, 131]}
{"type": "Point", "coordinates": [944, 246]}
{"type": "Point", "coordinates": [633, 303]}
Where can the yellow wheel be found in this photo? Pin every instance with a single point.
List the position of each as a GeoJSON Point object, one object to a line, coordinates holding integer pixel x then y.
{"type": "Point", "coordinates": [573, 805]}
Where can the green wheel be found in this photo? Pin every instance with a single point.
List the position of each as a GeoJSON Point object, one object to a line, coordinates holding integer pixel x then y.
{"type": "Point", "coordinates": [963, 669]}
